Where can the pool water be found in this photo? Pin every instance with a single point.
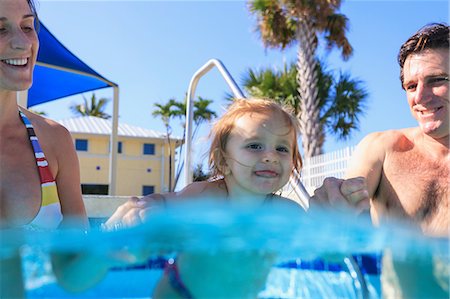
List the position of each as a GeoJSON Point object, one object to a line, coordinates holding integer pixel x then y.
{"type": "Point", "coordinates": [293, 279]}
{"type": "Point", "coordinates": [313, 251]}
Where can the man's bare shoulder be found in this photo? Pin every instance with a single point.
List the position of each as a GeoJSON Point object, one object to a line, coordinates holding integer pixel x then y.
{"type": "Point", "coordinates": [390, 139]}
{"type": "Point", "coordinates": [370, 155]}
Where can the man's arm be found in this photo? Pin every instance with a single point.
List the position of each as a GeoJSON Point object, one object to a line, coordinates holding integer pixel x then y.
{"type": "Point", "coordinates": [367, 161]}
{"type": "Point", "coordinates": [362, 177]}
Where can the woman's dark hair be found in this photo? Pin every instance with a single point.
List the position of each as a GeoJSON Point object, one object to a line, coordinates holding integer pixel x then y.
{"type": "Point", "coordinates": [32, 5]}
{"type": "Point", "coordinates": [431, 36]}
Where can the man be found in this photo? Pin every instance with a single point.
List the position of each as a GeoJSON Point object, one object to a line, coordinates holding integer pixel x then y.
{"type": "Point", "coordinates": [398, 174]}
{"type": "Point", "coordinates": [404, 174]}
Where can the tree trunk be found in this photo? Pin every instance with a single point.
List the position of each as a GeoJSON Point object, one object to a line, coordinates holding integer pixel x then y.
{"type": "Point", "coordinates": [307, 89]}
{"type": "Point", "coordinates": [170, 161]}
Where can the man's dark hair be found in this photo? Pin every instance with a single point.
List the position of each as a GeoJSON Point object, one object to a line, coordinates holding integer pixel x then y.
{"type": "Point", "coordinates": [431, 36]}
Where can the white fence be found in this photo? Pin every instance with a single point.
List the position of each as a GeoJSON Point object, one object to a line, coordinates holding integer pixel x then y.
{"type": "Point", "coordinates": [317, 168]}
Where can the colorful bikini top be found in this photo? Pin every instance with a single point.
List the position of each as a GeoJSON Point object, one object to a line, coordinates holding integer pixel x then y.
{"type": "Point", "coordinates": [49, 215]}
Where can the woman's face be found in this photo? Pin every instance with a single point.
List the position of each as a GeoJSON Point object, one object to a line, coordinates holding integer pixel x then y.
{"type": "Point", "coordinates": [18, 45]}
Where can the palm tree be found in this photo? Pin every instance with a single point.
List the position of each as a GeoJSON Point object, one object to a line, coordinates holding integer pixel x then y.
{"type": "Point", "coordinates": [174, 109]}
{"type": "Point", "coordinates": [280, 86]}
{"type": "Point", "coordinates": [199, 175]}
{"type": "Point", "coordinates": [94, 108]}
{"type": "Point", "coordinates": [165, 111]}
{"type": "Point", "coordinates": [202, 113]}
{"type": "Point", "coordinates": [285, 22]}
{"type": "Point", "coordinates": [38, 112]}
{"type": "Point", "coordinates": [341, 99]}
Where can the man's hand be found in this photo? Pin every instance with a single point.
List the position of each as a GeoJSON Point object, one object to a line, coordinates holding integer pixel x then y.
{"type": "Point", "coordinates": [350, 193]}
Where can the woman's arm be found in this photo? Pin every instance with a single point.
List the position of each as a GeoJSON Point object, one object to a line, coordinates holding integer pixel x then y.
{"type": "Point", "coordinates": [68, 181]}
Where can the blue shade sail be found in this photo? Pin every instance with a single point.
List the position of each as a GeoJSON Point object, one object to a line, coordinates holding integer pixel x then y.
{"type": "Point", "coordinates": [59, 73]}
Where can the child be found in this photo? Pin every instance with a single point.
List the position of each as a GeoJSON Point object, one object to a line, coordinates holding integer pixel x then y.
{"type": "Point", "coordinates": [253, 153]}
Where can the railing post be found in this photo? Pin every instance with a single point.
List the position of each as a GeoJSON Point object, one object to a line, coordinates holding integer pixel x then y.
{"type": "Point", "coordinates": [189, 108]}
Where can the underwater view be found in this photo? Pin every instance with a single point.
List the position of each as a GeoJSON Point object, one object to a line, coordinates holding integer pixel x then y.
{"type": "Point", "coordinates": [310, 256]}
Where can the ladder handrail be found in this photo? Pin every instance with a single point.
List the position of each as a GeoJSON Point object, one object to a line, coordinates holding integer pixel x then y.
{"type": "Point", "coordinates": [190, 113]}
{"type": "Point", "coordinates": [297, 185]}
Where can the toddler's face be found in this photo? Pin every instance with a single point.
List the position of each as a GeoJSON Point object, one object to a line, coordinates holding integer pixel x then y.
{"type": "Point", "coordinates": [259, 154]}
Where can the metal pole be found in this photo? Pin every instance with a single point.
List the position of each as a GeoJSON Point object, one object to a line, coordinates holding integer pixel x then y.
{"type": "Point", "coordinates": [22, 98]}
{"type": "Point", "coordinates": [299, 189]}
{"type": "Point", "coordinates": [189, 107]}
{"type": "Point", "coordinates": [113, 144]}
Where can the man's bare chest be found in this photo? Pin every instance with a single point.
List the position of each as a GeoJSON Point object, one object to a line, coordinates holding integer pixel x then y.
{"type": "Point", "coordinates": [415, 186]}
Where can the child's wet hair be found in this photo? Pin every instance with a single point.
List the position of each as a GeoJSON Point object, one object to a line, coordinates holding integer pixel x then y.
{"type": "Point", "coordinates": [223, 126]}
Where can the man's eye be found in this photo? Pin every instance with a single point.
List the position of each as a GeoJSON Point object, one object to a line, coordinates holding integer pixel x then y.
{"type": "Point", "coordinates": [438, 80]}
{"type": "Point", "coordinates": [411, 87]}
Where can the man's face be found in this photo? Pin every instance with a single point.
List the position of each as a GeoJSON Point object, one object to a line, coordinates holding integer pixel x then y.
{"type": "Point", "coordinates": [427, 90]}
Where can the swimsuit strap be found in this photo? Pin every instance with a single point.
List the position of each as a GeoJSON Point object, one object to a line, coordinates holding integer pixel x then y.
{"type": "Point", "coordinates": [44, 171]}
{"type": "Point", "coordinates": [171, 270]}
{"type": "Point", "coordinates": [49, 215]}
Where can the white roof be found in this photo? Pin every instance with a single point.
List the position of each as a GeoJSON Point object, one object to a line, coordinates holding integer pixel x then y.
{"type": "Point", "coordinates": [100, 126]}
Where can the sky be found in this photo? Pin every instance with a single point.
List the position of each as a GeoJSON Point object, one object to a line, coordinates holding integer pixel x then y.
{"type": "Point", "coordinates": [151, 49]}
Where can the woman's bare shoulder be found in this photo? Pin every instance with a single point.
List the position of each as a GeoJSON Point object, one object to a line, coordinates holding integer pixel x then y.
{"type": "Point", "coordinates": [46, 127]}
{"type": "Point", "coordinates": [55, 140]}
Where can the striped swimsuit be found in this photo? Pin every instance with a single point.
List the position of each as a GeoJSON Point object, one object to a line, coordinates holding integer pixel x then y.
{"type": "Point", "coordinates": [49, 215]}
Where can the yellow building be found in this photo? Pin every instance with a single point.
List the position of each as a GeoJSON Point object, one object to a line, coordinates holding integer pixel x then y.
{"type": "Point", "coordinates": [142, 160]}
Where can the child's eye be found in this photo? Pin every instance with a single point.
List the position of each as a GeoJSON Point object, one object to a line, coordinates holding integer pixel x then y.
{"type": "Point", "coordinates": [255, 146]}
{"type": "Point", "coordinates": [283, 149]}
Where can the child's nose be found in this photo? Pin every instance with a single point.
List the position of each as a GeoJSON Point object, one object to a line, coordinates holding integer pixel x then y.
{"type": "Point", "coordinates": [270, 157]}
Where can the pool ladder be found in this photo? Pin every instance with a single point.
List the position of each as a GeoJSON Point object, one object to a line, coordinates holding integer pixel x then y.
{"type": "Point", "coordinates": [359, 282]}
{"type": "Point", "coordinates": [295, 182]}
{"type": "Point", "coordinates": [354, 270]}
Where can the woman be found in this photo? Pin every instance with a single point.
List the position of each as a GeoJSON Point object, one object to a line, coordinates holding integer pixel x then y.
{"type": "Point", "coordinates": [40, 179]}
{"type": "Point", "coordinates": [31, 173]}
